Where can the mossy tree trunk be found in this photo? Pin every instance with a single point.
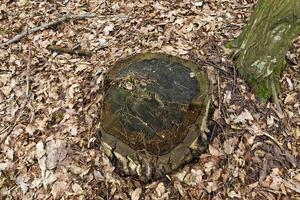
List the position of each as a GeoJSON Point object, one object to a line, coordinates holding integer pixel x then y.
{"type": "Point", "coordinates": [263, 44]}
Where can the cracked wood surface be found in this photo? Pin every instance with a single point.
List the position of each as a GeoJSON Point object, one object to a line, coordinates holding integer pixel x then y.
{"type": "Point", "coordinates": [153, 111]}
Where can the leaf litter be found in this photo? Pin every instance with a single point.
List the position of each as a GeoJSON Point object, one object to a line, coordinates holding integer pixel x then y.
{"type": "Point", "coordinates": [51, 151]}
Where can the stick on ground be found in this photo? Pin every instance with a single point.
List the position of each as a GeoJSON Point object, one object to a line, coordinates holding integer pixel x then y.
{"type": "Point", "coordinates": [80, 52]}
{"type": "Point", "coordinates": [28, 74]}
{"type": "Point", "coordinates": [47, 25]}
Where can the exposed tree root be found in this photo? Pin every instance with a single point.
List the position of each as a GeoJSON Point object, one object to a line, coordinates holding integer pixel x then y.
{"type": "Point", "coordinates": [275, 98]}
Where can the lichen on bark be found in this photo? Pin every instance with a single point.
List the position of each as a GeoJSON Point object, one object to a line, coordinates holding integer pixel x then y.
{"type": "Point", "coordinates": [263, 44]}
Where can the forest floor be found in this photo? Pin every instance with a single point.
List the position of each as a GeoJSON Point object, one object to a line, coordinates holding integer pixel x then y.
{"type": "Point", "coordinates": [50, 102]}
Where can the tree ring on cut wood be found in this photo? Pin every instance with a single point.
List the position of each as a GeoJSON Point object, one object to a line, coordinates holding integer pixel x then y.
{"type": "Point", "coordinates": [154, 110]}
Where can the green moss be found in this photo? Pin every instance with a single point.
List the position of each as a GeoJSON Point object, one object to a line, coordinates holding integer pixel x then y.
{"type": "Point", "coordinates": [263, 44]}
{"type": "Point", "coordinates": [263, 91]}
{"type": "Point", "coordinates": [231, 44]}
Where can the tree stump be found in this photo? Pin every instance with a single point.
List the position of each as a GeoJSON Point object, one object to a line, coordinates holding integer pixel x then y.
{"type": "Point", "coordinates": [154, 110]}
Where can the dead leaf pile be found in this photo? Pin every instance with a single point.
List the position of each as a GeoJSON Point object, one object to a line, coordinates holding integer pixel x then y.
{"type": "Point", "coordinates": [52, 150]}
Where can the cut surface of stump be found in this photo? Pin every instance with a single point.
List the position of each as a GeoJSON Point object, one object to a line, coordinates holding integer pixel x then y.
{"type": "Point", "coordinates": [153, 111]}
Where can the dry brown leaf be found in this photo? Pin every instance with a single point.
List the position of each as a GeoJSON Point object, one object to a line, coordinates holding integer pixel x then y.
{"type": "Point", "coordinates": [56, 152]}
{"type": "Point", "coordinates": [36, 183]}
{"type": "Point", "coordinates": [297, 177]}
{"type": "Point", "coordinates": [194, 177]}
{"type": "Point", "coordinates": [66, 94]}
{"type": "Point", "coordinates": [30, 129]}
{"type": "Point", "coordinates": [227, 97]}
{"type": "Point", "coordinates": [211, 187]}
{"type": "Point", "coordinates": [135, 195]}
{"type": "Point", "coordinates": [5, 165]}
{"type": "Point", "coordinates": [77, 189]}
{"type": "Point", "coordinates": [58, 189]}
{"type": "Point", "coordinates": [229, 145]}
{"type": "Point", "coordinates": [232, 194]}
{"type": "Point", "coordinates": [214, 151]}
{"type": "Point", "coordinates": [179, 188]}
{"type": "Point", "coordinates": [243, 117]}
{"type": "Point", "coordinates": [22, 182]}
{"type": "Point", "coordinates": [160, 189]}
{"type": "Point", "coordinates": [109, 28]}
{"type": "Point", "coordinates": [208, 167]}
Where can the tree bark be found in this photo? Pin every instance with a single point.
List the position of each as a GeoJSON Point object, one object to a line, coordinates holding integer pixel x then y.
{"type": "Point", "coordinates": [263, 44]}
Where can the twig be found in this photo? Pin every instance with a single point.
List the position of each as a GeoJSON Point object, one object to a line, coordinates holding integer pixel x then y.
{"type": "Point", "coordinates": [47, 25]}
{"type": "Point", "coordinates": [243, 7]}
{"type": "Point", "coordinates": [3, 71]}
{"type": "Point", "coordinates": [218, 68]}
{"type": "Point", "coordinates": [28, 74]}
{"type": "Point", "coordinates": [79, 52]}
{"type": "Point", "coordinates": [219, 94]}
{"type": "Point", "coordinates": [257, 132]}
{"type": "Point", "coordinates": [234, 79]}
{"type": "Point", "coordinates": [274, 140]}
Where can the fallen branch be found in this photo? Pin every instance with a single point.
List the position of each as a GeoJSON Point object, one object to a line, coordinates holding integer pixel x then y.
{"type": "Point", "coordinates": [47, 25]}
{"type": "Point", "coordinates": [79, 52]}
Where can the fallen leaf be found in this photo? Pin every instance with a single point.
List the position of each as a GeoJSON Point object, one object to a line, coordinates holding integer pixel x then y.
{"type": "Point", "coordinates": [35, 183]}
{"type": "Point", "coordinates": [227, 97]}
{"type": "Point", "coordinates": [160, 189]}
{"type": "Point", "coordinates": [208, 166]}
{"type": "Point", "coordinates": [77, 189]}
{"type": "Point", "coordinates": [229, 145]}
{"type": "Point", "coordinates": [243, 117]}
{"type": "Point", "coordinates": [194, 177]}
{"type": "Point", "coordinates": [276, 180]}
{"type": "Point", "coordinates": [232, 194]}
{"type": "Point", "coordinates": [213, 151]}
{"type": "Point", "coordinates": [109, 28]}
{"type": "Point", "coordinates": [211, 187]}
{"type": "Point", "coordinates": [30, 129]}
{"type": "Point", "coordinates": [58, 189]}
{"type": "Point", "coordinates": [22, 183]}
{"type": "Point", "coordinates": [56, 152]}
{"type": "Point", "coordinates": [297, 177]}
{"type": "Point", "coordinates": [40, 151]}
{"type": "Point", "coordinates": [135, 195]}
{"type": "Point", "coordinates": [5, 165]}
